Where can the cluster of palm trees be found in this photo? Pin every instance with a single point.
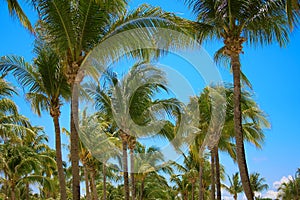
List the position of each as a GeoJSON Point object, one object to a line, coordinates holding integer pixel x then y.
{"type": "Point", "coordinates": [290, 189]}
{"type": "Point", "coordinates": [66, 34]}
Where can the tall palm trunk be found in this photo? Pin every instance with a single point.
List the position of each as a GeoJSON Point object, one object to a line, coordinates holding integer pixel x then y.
{"type": "Point", "coordinates": [218, 179]}
{"type": "Point", "coordinates": [104, 180]}
{"type": "Point", "coordinates": [142, 189]}
{"type": "Point", "coordinates": [75, 142]}
{"type": "Point", "coordinates": [239, 140]}
{"type": "Point", "coordinates": [59, 161]}
{"type": "Point", "coordinates": [93, 184]}
{"type": "Point", "coordinates": [124, 137]}
{"type": "Point", "coordinates": [193, 190]}
{"type": "Point", "coordinates": [200, 196]}
{"type": "Point", "coordinates": [213, 177]}
{"type": "Point", "coordinates": [131, 147]}
{"type": "Point", "coordinates": [27, 191]}
{"type": "Point", "coordinates": [86, 179]}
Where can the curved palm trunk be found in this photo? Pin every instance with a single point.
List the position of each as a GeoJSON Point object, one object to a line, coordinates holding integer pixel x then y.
{"type": "Point", "coordinates": [240, 149]}
{"type": "Point", "coordinates": [75, 142]}
{"type": "Point", "coordinates": [200, 197]}
{"type": "Point", "coordinates": [59, 161]}
{"type": "Point", "coordinates": [218, 179]}
{"type": "Point", "coordinates": [86, 179]}
{"type": "Point", "coordinates": [104, 180]}
{"type": "Point", "coordinates": [125, 165]}
{"type": "Point", "coordinates": [213, 182]}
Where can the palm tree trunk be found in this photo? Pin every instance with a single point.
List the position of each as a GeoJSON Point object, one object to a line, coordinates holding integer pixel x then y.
{"type": "Point", "coordinates": [125, 166]}
{"type": "Point", "coordinates": [239, 140]}
{"type": "Point", "coordinates": [200, 197]}
{"type": "Point", "coordinates": [235, 197]}
{"type": "Point", "coordinates": [86, 179]}
{"type": "Point", "coordinates": [132, 174]}
{"type": "Point", "coordinates": [142, 189]}
{"type": "Point", "coordinates": [213, 177]}
{"type": "Point", "coordinates": [12, 192]}
{"type": "Point", "coordinates": [193, 191]}
{"type": "Point", "coordinates": [218, 179]}
{"type": "Point", "coordinates": [75, 142]}
{"type": "Point", "coordinates": [59, 161]}
{"type": "Point", "coordinates": [94, 188]}
{"type": "Point", "coordinates": [104, 180]}
{"type": "Point", "coordinates": [27, 191]}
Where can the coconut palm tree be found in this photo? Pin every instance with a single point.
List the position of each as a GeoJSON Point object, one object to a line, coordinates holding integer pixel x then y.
{"type": "Point", "coordinates": [258, 183]}
{"type": "Point", "coordinates": [130, 103]}
{"type": "Point", "coordinates": [47, 86]}
{"type": "Point", "coordinates": [75, 28]}
{"type": "Point", "coordinates": [235, 186]}
{"type": "Point", "coordinates": [290, 189]}
{"type": "Point", "coordinates": [12, 124]}
{"type": "Point", "coordinates": [236, 22]}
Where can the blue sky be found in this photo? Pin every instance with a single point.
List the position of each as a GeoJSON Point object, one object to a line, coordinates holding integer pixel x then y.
{"type": "Point", "coordinates": [273, 71]}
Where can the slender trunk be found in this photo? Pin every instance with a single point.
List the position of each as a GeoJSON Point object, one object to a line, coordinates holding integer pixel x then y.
{"type": "Point", "coordinates": [86, 179]}
{"type": "Point", "coordinates": [12, 192]}
{"type": "Point", "coordinates": [142, 189]}
{"type": "Point", "coordinates": [240, 149]}
{"type": "Point", "coordinates": [93, 182]}
{"type": "Point", "coordinates": [132, 174]}
{"type": "Point", "coordinates": [200, 197]}
{"type": "Point", "coordinates": [104, 180]}
{"type": "Point", "coordinates": [213, 177]}
{"type": "Point", "coordinates": [235, 197]}
{"type": "Point", "coordinates": [193, 190]}
{"type": "Point", "coordinates": [218, 179]}
{"type": "Point", "coordinates": [75, 142]}
{"type": "Point", "coordinates": [59, 161]}
{"type": "Point", "coordinates": [125, 169]}
{"type": "Point", "coordinates": [27, 191]}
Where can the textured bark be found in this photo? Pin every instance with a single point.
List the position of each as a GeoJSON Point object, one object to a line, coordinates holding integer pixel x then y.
{"type": "Point", "coordinates": [200, 196]}
{"type": "Point", "coordinates": [86, 179]}
{"type": "Point", "coordinates": [240, 149]}
{"type": "Point", "coordinates": [213, 177]}
{"type": "Point", "coordinates": [59, 161]}
{"type": "Point", "coordinates": [125, 165]}
{"type": "Point", "coordinates": [104, 180]}
{"type": "Point", "coordinates": [218, 179]}
{"type": "Point", "coordinates": [75, 142]}
{"type": "Point", "coordinates": [93, 184]}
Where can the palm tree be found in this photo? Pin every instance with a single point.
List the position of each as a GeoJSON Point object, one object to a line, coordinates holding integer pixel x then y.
{"type": "Point", "coordinates": [235, 22]}
{"type": "Point", "coordinates": [75, 28]}
{"type": "Point", "coordinates": [235, 186]}
{"type": "Point", "coordinates": [290, 189]}
{"type": "Point", "coordinates": [132, 96]}
{"type": "Point", "coordinates": [258, 183]}
{"type": "Point", "coordinates": [47, 86]}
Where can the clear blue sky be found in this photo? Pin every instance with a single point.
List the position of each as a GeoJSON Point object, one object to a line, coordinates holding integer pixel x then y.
{"type": "Point", "coordinates": [273, 71]}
